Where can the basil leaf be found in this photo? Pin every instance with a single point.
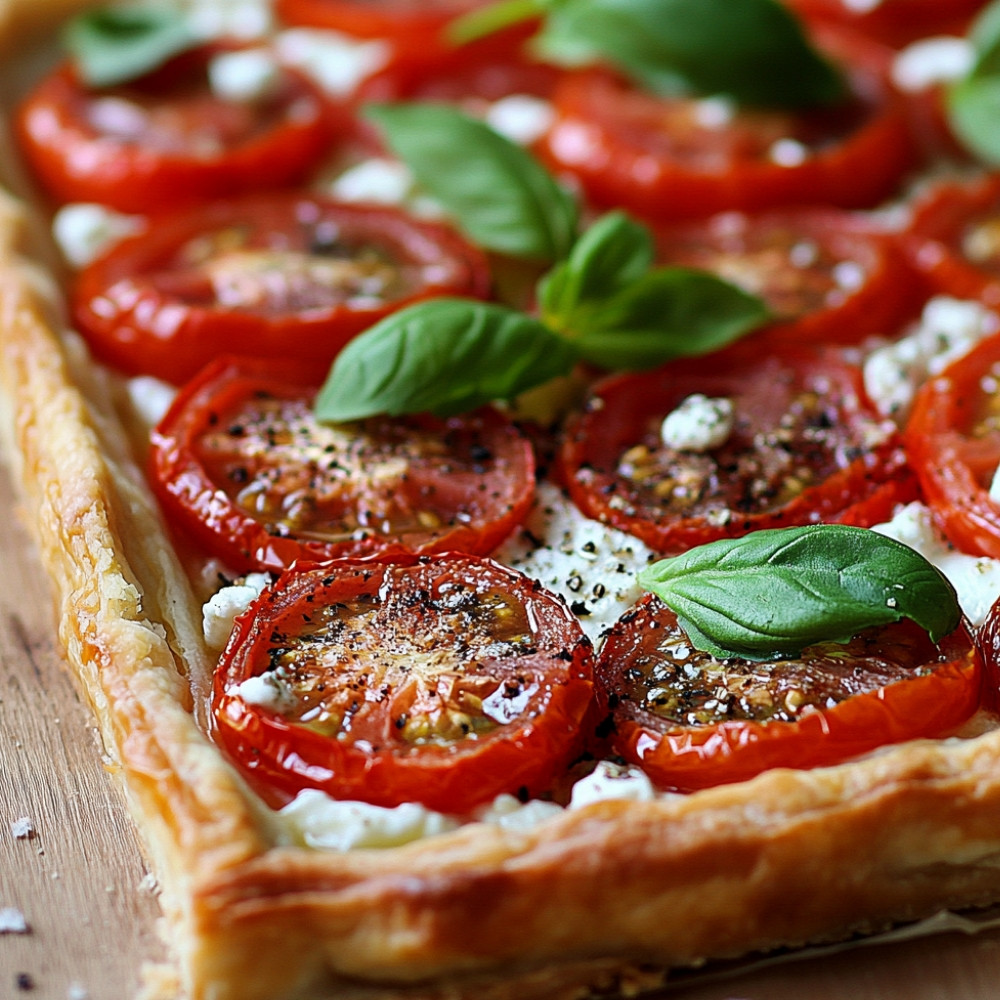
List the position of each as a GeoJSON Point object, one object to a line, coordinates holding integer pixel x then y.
{"type": "Point", "coordinates": [774, 592]}
{"type": "Point", "coordinates": [973, 111]}
{"type": "Point", "coordinates": [752, 50]}
{"type": "Point", "coordinates": [672, 312]}
{"type": "Point", "coordinates": [612, 253]}
{"type": "Point", "coordinates": [114, 45]}
{"type": "Point", "coordinates": [974, 102]}
{"type": "Point", "coordinates": [494, 190]}
{"type": "Point", "coordinates": [490, 18]}
{"type": "Point", "coordinates": [445, 356]}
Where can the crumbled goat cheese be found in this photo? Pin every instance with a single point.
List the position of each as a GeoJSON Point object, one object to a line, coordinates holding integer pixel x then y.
{"type": "Point", "coordinates": [947, 330]}
{"type": "Point", "coordinates": [976, 579]}
{"type": "Point", "coordinates": [83, 231]}
{"type": "Point", "coordinates": [150, 398]}
{"type": "Point", "coordinates": [510, 813]}
{"type": "Point", "coordinates": [592, 567]}
{"type": "Point", "coordinates": [612, 781]}
{"type": "Point", "coordinates": [22, 828]}
{"type": "Point", "coordinates": [337, 62]}
{"type": "Point", "coordinates": [244, 75]}
{"type": "Point", "coordinates": [271, 691]}
{"type": "Point", "coordinates": [223, 607]}
{"type": "Point", "coordinates": [522, 118]}
{"type": "Point", "coordinates": [319, 821]}
{"type": "Point", "coordinates": [788, 153]}
{"type": "Point", "coordinates": [930, 61]}
{"type": "Point", "coordinates": [698, 424]}
{"type": "Point", "coordinates": [241, 19]}
{"type": "Point", "coordinates": [12, 921]}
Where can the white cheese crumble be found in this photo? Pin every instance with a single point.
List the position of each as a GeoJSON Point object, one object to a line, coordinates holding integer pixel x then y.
{"type": "Point", "coordinates": [522, 118]}
{"type": "Point", "coordinates": [976, 579]}
{"type": "Point", "coordinates": [22, 828]}
{"type": "Point", "coordinates": [271, 690]}
{"type": "Point", "coordinates": [715, 112]}
{"type": "Point", "coordinates": [338, 63]}
{"type": "Point", "coordinates": [788, 153]}
{"type": "Point", "coordinates": [241, 19]}
{"type": "Point", "coordinates": [223, 607]}
{"type": "Point", "coordinates": [947, 330]}
{"type": "Point", "coordinates": [510, 813]}
{"type": "Point", "coordinates": [83, 231]}
{"type": "Point", "coordinates": [244, 75]}
{"type": "Point", "coordinates": [383, 181]}
{"type": "Point", "coordinates": [930, 61]}
{"type": "Point", "coordinates": [698, 424]}
{"type": "Point", "coordinates": [319, 821]}
{"type": "Point", "coordinates": [12, 921]}
{"type": "Point", "coordinates": [150, 398]}
{"type": "Point", "coordinates": [612, 781]}
{"type": "Point", "coordinates": [592, 567]}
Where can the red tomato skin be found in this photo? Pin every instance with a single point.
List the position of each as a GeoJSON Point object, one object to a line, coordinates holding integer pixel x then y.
{"type": "Point", "coordinates": [861, 494]}
{"type": "Point", "coordinates": [889, 295]}
{"type": "Point", "coordinates": [954, 467]}
{"type": "Point", "coordinates": [893, 22]}
{"type": "Point", "coordinates": [687, 759]}
{"type": "Point", "coordinates": [524, 758]}
{"type": "Point", "coordinates": [933, 240]}
{"type": "Point", "coordinates": [398, 20]}
{"type": "Point", "coordinates": [988, 641]}
{"type": "Point", "coordinates": [205, 512]}
{"type": "Point", "coordinates": [75, 163]}
{"type": "Point", "coordinates": [139, 327]}
{"type": "Point", "coordinates": [604, 150]}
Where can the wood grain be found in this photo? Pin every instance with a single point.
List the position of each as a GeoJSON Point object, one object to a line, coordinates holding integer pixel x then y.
{"type": "Point", "coordinates": [79, 879]}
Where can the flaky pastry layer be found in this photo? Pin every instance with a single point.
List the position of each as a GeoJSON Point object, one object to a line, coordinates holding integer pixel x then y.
{"type": "Point", "coordinates": [610, 896]}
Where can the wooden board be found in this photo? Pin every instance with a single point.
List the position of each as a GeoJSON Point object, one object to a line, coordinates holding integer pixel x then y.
{"type": "Point", "coordinates": [83, 889]}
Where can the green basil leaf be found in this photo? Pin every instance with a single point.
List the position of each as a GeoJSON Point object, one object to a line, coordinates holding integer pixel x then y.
{"type": "Point", "coordinates": [985, 38]}
{"type": "Point", "coordinates": [113, 45]}
{"type": "Point", "coordinates": [611, 254]}
{"type": "Point", "coordinates": [490, 18]}
{"type": "Point", "coordinates": [445, 356]}
{"type": "Point", "coordinates": [495, 191]}
{"type": "Point", "coordinates": [672, 312]}
{"type": "Point", "coordinates": [974, 110]}
{"type": "Point", "coordinates": [752, 50]}
{"type": "Point", "coordinates": [774, 592]}
{"type": "Point", "coordinates": [973, 102]}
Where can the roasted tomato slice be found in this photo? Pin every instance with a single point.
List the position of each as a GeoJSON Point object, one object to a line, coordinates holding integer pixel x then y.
{"type": "Point", "coordinates": [444, 681]}
{"type": "Point", "coordinates": [241, 464]}
{"type": "Point", "coordinates": [953, 438]}
{"type": "Point", "coordinates": [167, 139]}
{"type": "Point", "coordinates": [401, 21]}
{"type": "Point", "coordinates": [827, 275]}
{"type": "Point", "coordinates": [692, 721]}
{"type": "Point", "coordinates": [954, 240]}
{"type": "Point", "coordinates": [280, 275]}
{"type": "Point", "coordinates": [802, 445]}
{"type": "Point", "coordinates": [894, 22]}
{"type": "Point", "coordinates": [666, 159]}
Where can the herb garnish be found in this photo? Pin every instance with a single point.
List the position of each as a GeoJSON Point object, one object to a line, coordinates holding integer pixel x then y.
{"type": "Point", "coordinates": [776, 591]}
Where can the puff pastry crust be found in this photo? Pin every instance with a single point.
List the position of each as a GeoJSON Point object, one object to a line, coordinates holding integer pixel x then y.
{"type": "Point", "coordinates": [606, 898]}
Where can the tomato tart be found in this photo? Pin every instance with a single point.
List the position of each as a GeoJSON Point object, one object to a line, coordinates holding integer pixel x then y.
{"type": "Point", "coordinates": [496, 468]}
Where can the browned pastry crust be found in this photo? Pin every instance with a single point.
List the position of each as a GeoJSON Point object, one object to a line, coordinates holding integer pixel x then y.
{"type": "Point", "coordinates": [602, 898]}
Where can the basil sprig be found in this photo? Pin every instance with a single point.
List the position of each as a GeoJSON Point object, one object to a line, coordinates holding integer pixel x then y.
{"type": "Point", "coordinates": [116, 44]}
{"type": "Point", "coordinates": [775, 592]}
{"type": "Point", "coordinates": [754, 51]}
{"type": "Point", "coordinates": [499, 195]}
{"type": "Point", "coordinates": [605, 304]}
{"type": "Point", "coordinates": [624, 314]}
{"type": "Point", "coordinates": [443, 355]}
{"type": "Point", "coordinates": [974, 101]}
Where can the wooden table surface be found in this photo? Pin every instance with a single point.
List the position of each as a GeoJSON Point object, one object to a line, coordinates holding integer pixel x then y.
{"type": "Point", "coordinates": [81, 885]}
